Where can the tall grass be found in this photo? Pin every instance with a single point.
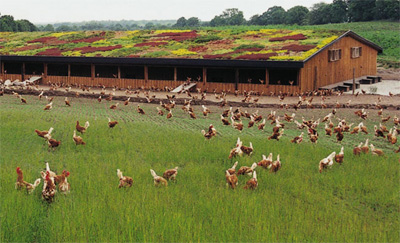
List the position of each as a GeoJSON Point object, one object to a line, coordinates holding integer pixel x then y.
{"type": "Point", "coordinates": [357, 201]}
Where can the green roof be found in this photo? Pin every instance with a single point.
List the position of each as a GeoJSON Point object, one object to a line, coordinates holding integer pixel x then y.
{"type": "Point", "coordinates": [261, 44]}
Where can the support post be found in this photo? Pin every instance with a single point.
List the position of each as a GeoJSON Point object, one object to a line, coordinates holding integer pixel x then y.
{"type": "Point", "coordinates": [175, 74]}
{"type": "Point", "coordinates": [119, 72]}
{"type": "Point", "coordinates": [44, 72]}
{"type": "Point", "coordinates": [146, 74]}
{"type": "Point", "coordinates": [2, 68]}
{"type": "Point", "coordinates": [236, 78]}
{"type": "Point", "coordinates": [354, 79]}
{"type": "Point", "coordinates": [93, 70]}
{"type": "Point", "coordinates": [204, 75]}
{"type": "Point", "coordinates": [23, 72]}
{"type": "Point", "coordinates": [266, 77]}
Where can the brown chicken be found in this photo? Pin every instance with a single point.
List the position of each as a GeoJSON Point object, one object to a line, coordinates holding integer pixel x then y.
{"type": "Point", "coordinates": [266, 163]}
{"type": "Point", "coordinates": [357, 150]}
{"type": "Point", "coordinates": [252, 183]}
{"type": "Point", "coordinates": [158, 180]}
{"type": "Point", "coordinates": [231, 180]}
{"type": "Point", "coordinates": [339, 157]}
{"type": "Point", "coordinates": [171, 174]}
{"type": "Point", "coordinates": [77, 139]}
{"type": "Point", "coordinates": [21, 183]}
{"type": "Point", "coordinates": [49, 188]}
{"type": "Point", "coordinates": [112, 124]}
{"type": "Point", "coordinates": [124, 181]}
{"type": "Point", "coordinates": [245, 170]}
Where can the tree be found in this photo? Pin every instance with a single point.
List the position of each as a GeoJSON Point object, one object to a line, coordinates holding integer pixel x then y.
{"type": "Point", "coordinates": [320, 14]}
{"type": "Point", "coordinates": [231, 16]}
{"type": "Point", "coordinates": [63, 28]}
{"type": "Point", "coordinates": [149, 26]}
{"type": "Point", "coordinates": [25, 26]}
{"type": "Point", "coordinates": [274, 15]}
{"type": "Point", "coordinates": [361, 10]}
{"type": "Point", "coordinates": [296, 15]}
{"type": "Point", "coordinates": [254, 20]}
{"type": "Point", "coordinates": [181, 22]}
{"type": "Point", "coordinates": [48, 27]}
{"type": "Point", "coordinates": [387, 9]}
{"type": "Point", "coordinates": [193, 22]}
{"type": "Point", "coordinates": [7, 23]}
{"type": "Point", "coordinates": [339, 11]}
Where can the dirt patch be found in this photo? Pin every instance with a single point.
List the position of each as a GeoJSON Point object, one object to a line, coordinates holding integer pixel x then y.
{"type": "Point", "coordinates": [389, 73]}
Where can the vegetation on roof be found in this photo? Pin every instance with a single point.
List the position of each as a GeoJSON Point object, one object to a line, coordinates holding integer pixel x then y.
{"type": "Point", "coordinates": [261, 44]}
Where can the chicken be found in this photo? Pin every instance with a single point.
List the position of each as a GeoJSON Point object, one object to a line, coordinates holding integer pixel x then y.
{"type": "Point", "coordinates": [158, 180]}
{"type": "Point", "coordinates": [376, 151]}
{"type": "Point", "coordinates": [235, 152]}
{"type": "Point", "coordinates": [276, 135]}
{"type": "Point", "coordinates": [67, 103]}
{"type": "Point", "coordinates": [385, 119]}
{"type": "Point", "coordinates": [99, 99]}
{"type": "Point", "coordinates": [169, 115]}
{"type": "Point", "coordinates": [266, 163]}
{"type": "Point", "coordinates": [328, 130]}
{"type": "Point", "coordinates": [171, 174]}
{"type": "Point", "coordinates": [365, 148]}
{"type": "Point", "coordinates": [48, 106]}
{"type": "Point", "coordinates": [23, 100]}
{"type": "Point", "coordinates": [363, 128]}
{"type": "Point", "coordinates": [159, 111]}
{"type": "Point", "coordinates": [78, 139]}
{"type": "Point", "coordinates": [49, 188]}
{"type": "Point", "coordinates": [225, 121]}
{"type": "Point", "coordinates": [276, 165]}
{"type": "Point", "coordinates": [339, 157]}
{"type": "Point", "coordinates": [124, 181]}
{"type": "Point", "coordinates": [40, 95]}
{"type": "Point", "coordinates": [245, 170]}
{"type": "Point", "coordinates": [328, 161]}
{"type": "Point", "coordinates": [237, 125]}
{"type": "Point", "coordinates": [298, 139]}
{"type": "Point", "coordinates": [289, 118]}
{"type": "Point", "coordinates": [113, 107]}
{"type": "Point", "coordinates": [379, 132]}
{"type": "Point", "coordinates": [61, 180]}
{"type": "Point", "coordinates": [210, 133]}
{"type": "Point", "coordinates": [53, 143]}
{"type": "Point", "coordinates": [43, 134]}
{"type": "Point", "coordinates": [206, 111]}
{"type": "Point", "coordinates": [262, 125]}
{"type": "Point", "coordinates": [140, 110]}
{"type": "Point", "coordinates": [192, 115]}
{"type": "Point", "coordinates": [81, 129]}
{"type": "Point", "coordinates": [111, 124]}
{"type": "Point", "coordinates": [357, 150]}
{"type": "Point", "coordinates": [232, 170]}
{"type": "Point", "coordinates": [339, 136]}
{"type": "Point", "coordinates": [252, 183]}
{"type": "Point", "coordinates": [231, 180]}
{"type": "Point", "coordinates": [247, 150]}
{"type": "Point", "coordinates": [21, 183]}
{"type": "Point", "coordinates": [126, 102]}
{"type": "Point", "coordinates": [251, 122]}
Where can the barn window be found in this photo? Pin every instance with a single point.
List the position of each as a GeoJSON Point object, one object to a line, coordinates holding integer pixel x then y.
{"type": "Point", "coordinates": [12, 68]}
{"type": "Point", "coordinates": [161, 73]}
{"type": "Point", "coordinates": [194, 74]}
{"type": "Point", "coordinates": [356, 52]}
{"type": "Point", "coordinates": [34, 68]}
{"type": "Point", "coordinates": [252, 76]}
{"type": "Point", "coordinates": [57, 69]}
{"type": "Point", "coordinates": [104, 71]}
{"type": "Point", "coordinates": [132, 72]}
{"type": "Point", "coordinates": [221, 75]}
{"type": "Point", "coordinates": [335, 55]}
{"type": "Point", "coordinates": [283, 76]}
{"type": "Point", "coordinates": [81, 70]}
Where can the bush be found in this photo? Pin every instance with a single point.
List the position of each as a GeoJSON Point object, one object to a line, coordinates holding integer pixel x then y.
{"type": "Point", "coordinates": [203, 39]}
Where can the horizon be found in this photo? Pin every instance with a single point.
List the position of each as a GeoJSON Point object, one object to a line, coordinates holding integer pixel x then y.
{"type": "Point", "coordinates": [137, 10]}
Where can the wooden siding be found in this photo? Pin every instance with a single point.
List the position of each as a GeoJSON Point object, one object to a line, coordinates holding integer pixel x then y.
{"type": "Point", "coordinates": [319, 72]}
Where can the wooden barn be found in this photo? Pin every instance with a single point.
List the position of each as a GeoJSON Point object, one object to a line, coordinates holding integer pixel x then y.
{"type": "Point", "coordinates": [264, 60]}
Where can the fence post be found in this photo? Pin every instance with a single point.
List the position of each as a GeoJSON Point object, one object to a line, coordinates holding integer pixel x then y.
{"type": "Point", "coordinates": [354, 79]}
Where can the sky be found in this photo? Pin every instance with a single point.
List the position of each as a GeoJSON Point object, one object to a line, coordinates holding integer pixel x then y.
{"type": "Point", "coordinates": [53, 11]}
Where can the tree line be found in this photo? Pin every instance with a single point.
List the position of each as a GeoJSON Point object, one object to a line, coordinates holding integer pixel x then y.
{"type": "Point", "coordinates": [339, 11]}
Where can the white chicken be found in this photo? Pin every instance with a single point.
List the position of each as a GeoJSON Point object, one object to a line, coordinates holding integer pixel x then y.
{"type": "Point", "coordinates": [326, 162]}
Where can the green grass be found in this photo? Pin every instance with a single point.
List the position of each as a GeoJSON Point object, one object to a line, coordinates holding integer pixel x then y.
{"type": "Point", "coordinates": [357, 201]}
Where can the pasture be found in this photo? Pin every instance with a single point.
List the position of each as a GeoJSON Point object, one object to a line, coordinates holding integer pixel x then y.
{"type": "Point", "coordinates": [355, 201]}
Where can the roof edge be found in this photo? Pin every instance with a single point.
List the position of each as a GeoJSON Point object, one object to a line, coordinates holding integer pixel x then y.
{"type": "Point", "coordinates": [351, 34]}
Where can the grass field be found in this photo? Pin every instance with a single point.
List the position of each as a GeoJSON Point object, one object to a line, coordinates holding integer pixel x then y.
{"type": "Point", "coordinates": [357, 201]}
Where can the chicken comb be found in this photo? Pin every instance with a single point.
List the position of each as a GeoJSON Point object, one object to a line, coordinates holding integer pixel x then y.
{"type": "Point", "coordinates": [18, 169]}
